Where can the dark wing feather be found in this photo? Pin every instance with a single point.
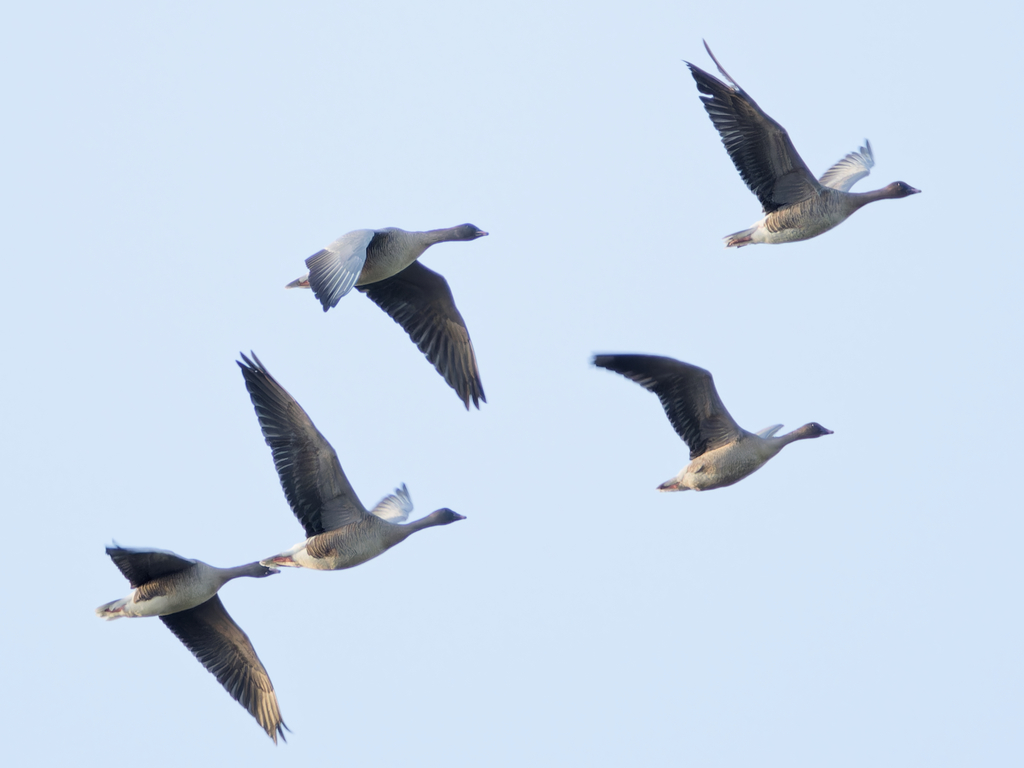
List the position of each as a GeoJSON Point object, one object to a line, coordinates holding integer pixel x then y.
{"type": "Point", "coordinates": [687, 394]}
{"type": "Point", "coordinates": [760, 148]}
{"type": "Point", "coordinates": [225, 650]}
{"type": "Point", "coordinates": [420, 301]}
{"type": "Point", "coordinates": [312, 478]}
{"type": "Point", "coordinates": [140, 566]}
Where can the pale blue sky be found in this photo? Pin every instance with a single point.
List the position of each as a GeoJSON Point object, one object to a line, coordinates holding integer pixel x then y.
{"type": "Point", "coordinates": [855, 603]}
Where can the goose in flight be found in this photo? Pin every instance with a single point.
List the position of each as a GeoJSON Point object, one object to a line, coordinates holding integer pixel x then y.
{"type": "Point", "coordinates": [382, 263]}
{"type": "Point", "coordinates": [183, 593]}
{"type": "Point", "coordinates": [721, 451]}
{"type": "Point", "coordinates": [340, 531]}
{"type": "Point", "coordinates": [796, 205]}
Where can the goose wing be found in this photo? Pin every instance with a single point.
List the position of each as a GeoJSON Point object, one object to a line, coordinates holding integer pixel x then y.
{"type": "Point", "coordinates": [851, 169]}
{"type": "Point", "coordinates": [334, 270]}
{"type": "Point", "coordinates": [687, 394]}
{"type": "Point", "coordinates": [225, 650]}
{"type": "Point", "coordinates": [760, 148]}
{"type": "Point", "coordinates": [140, 566]}
{"type": "Point", "coordinates": [312, 478]}
{"type": "Point", "coordinates": [395, 507]}
{"type": "Point", "coordinates": [420, 301]}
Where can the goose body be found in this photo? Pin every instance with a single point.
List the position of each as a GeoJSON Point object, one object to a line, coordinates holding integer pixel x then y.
{"type": "Point", "coordinates": [382, 263]}
{"type": "Point", "coordinates": [169, 593]}
{"type": "Point", "coordinates": [721, 452]}
{"type": "Point", "coordinates": [355, 543]}
{"type": "Point", "coordinates": [797, 206]}
{"type": "Point", "coordinates": [183, 593]}
{"type": "Point", "coordinates": [340, 531]}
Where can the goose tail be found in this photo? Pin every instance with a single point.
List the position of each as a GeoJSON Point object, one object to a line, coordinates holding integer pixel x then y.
{"type": "Point", "coordinates": [277, 561]}
{"type": "Point", "coordinates": [112, 610]}
{"type": "Point", "coordinates": [741, 238]}
{"type": "Point", "coordinates": [672, 485]}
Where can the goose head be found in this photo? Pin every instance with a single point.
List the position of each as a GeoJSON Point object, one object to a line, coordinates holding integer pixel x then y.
{"type": "Point", "coordinates": [814, 429]}
{"type": "Point", "coordinates": [900, 189]}
{"type": "Point", "coordinates": [444, 516]}
{"type": "Point", "coordinates": [467, 232]}
{"type": "Point", "coordinates": [258, 570]}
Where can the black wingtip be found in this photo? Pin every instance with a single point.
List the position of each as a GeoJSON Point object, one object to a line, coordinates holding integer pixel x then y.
{"type": "Point", "coordinates": [279, 731]}
{"type": "Point", "coordinates": [251, 363]}
{"type": "Point", "coordinates": [721, 69]}
{"type": "Point", "coordinates": [706, 82]}
{"type": "Point", "coordinates": [477, 398]}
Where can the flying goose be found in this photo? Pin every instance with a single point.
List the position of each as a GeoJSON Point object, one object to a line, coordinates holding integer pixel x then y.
{"type": "Point", "coordinates": [721, 451]}
{"type": "Point", "coordinates": [382, 263]}
{"type": "Point", "coordinates": [796, 205]}
{"type": "Point", "coordinates": [340, 532]}
{"type": "Point", "coordinates": [183, 593]}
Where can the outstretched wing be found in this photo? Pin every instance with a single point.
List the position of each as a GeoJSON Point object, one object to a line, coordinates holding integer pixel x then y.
{"type": "Point", "coordinates": [225, 650]}
{"type": "Point", "coordinates": [334, 270]}
{"type": "Point", "coordinates": [851, 169]}
{"type": "Point", "coordinates": [395, 507]}
{"type": "Point", "coordinates": [687, 394]}
{"type": "Point", "coordinates": [143, 565]}
{"type": "Point", "coordinates": [420, 301]}
{"type": "Point", "coordinates": [312, 478]}
{"type": "Point", "coordinates": [760, 148]}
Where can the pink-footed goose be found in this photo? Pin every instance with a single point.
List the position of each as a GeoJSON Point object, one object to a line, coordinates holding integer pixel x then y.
{"type": "Point", "coordinates": [382, 263]}
{"type": "Point", "coordinates": [796, 205]}
{"type": "Point", "coordinates": [183, 593]}
{"type": "Point", "coordinates": [341, 532]}
{"type": "Point", "coordinates": [721, 451]}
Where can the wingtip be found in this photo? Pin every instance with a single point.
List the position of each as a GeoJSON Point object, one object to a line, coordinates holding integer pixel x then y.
{"type": "Point", "coordinates": [279, 731]}
{"type": "Point", "coordinates": [251, 362]}
{"type": "Point", "coordinates": [606, 360]}
{"type": "Point", "coordinates": [476, 395]}
{"type": "Point", "coordinates": [721, 69]}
